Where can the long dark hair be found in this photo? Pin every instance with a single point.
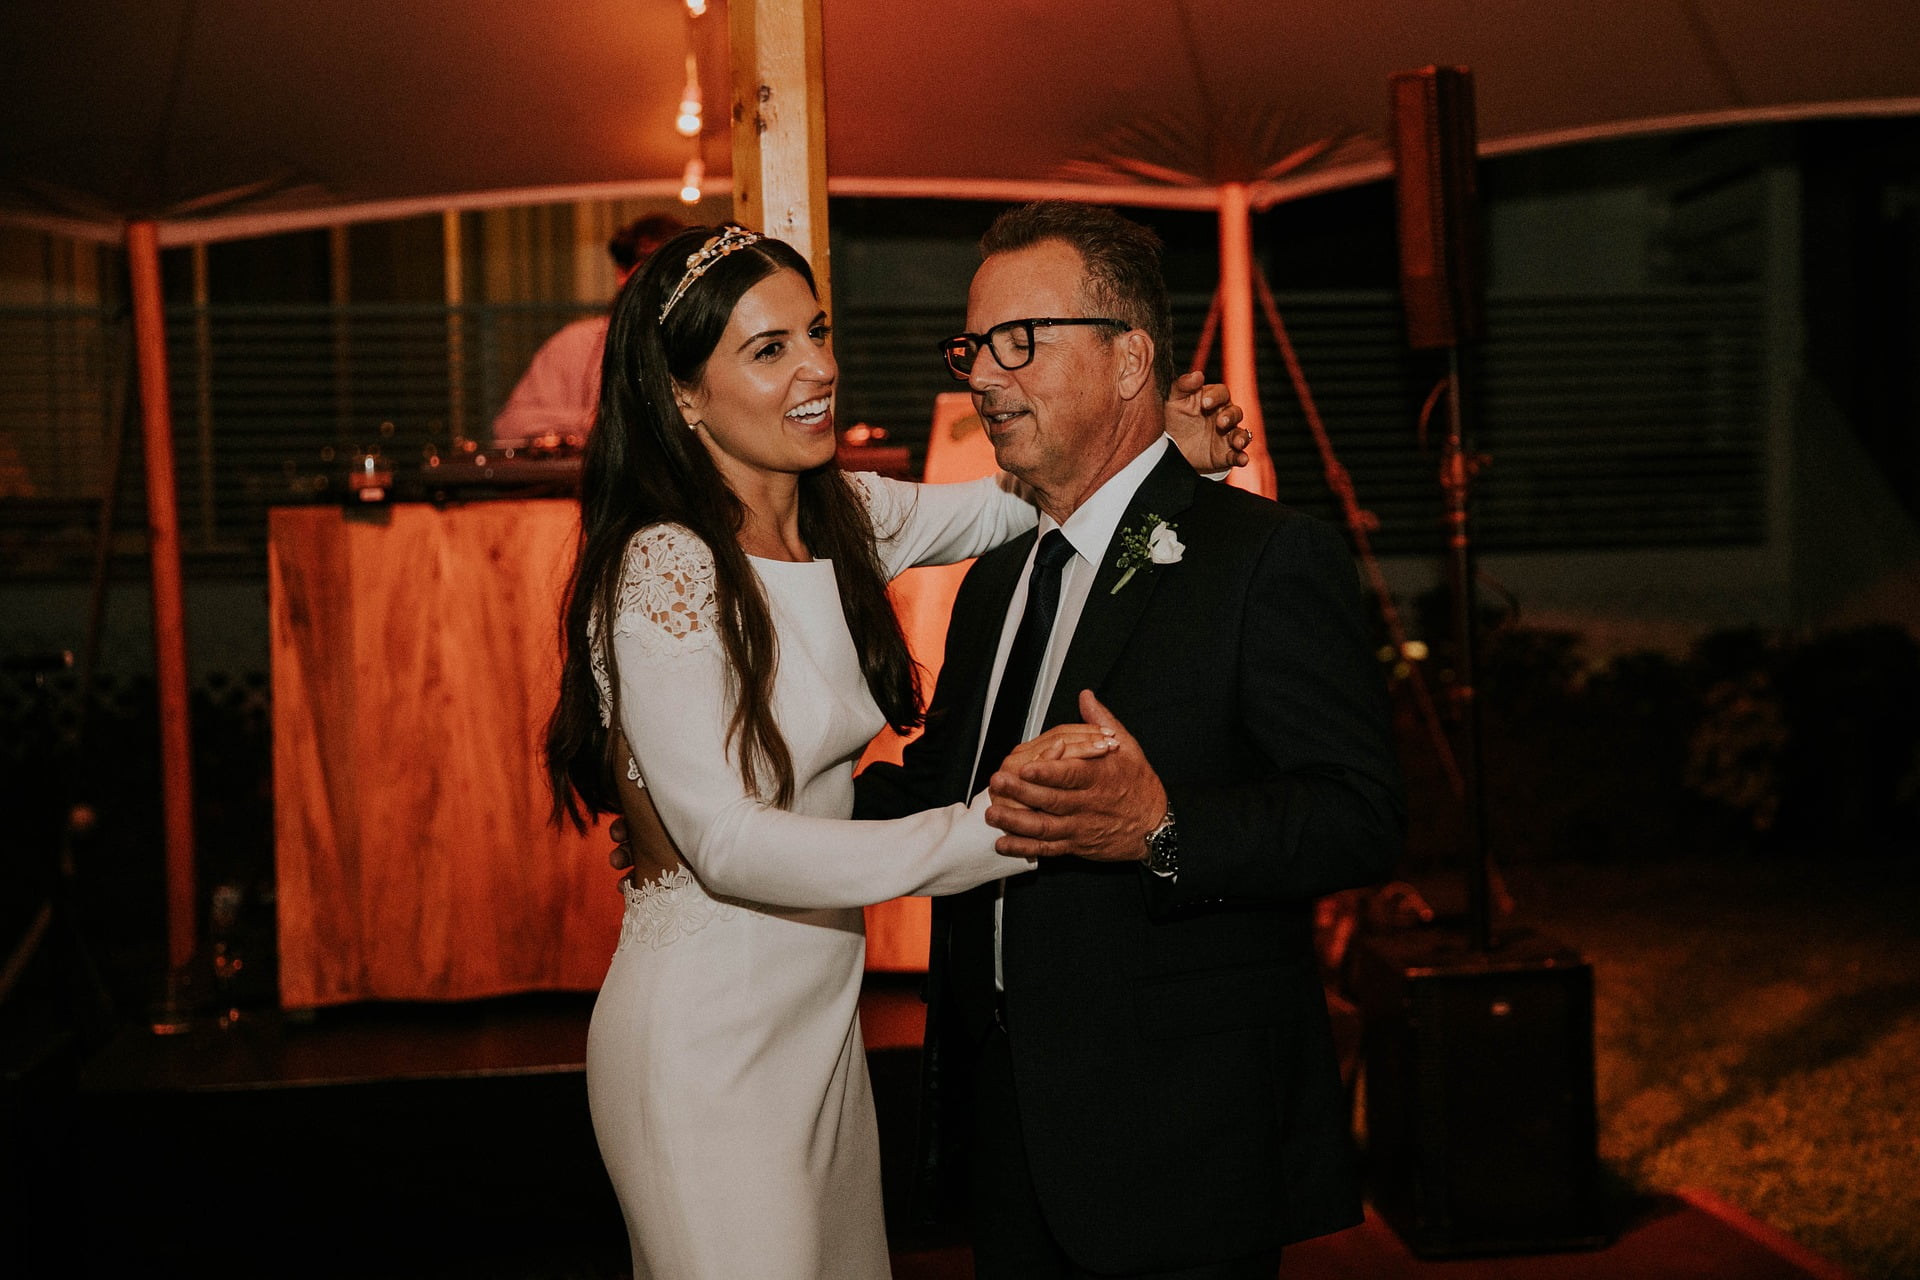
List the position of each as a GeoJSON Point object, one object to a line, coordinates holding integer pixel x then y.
{"type": "Point", "coordinates": [643, 467]}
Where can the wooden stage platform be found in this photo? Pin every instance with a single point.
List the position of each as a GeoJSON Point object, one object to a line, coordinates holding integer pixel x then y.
{"type": "Point", "coordinates": [421, 1140]}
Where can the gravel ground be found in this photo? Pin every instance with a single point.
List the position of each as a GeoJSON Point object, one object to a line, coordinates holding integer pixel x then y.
{"type": "Point", "coordinates": [1758, 1034]}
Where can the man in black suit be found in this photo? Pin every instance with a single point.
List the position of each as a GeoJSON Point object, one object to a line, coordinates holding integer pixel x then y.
{"type": "Point", "coordinates": [1129, 1065]}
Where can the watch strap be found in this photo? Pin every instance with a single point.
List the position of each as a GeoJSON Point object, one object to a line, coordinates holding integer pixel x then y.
{"type": "Point", "coordinates": [1163, 848]}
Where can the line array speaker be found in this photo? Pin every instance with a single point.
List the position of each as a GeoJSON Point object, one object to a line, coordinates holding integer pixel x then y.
{"type": "Point", "coordinates": [1434, 161]}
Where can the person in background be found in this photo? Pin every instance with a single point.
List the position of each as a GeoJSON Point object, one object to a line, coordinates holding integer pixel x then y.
{"type": "Point", "coordinates": [556, 397]}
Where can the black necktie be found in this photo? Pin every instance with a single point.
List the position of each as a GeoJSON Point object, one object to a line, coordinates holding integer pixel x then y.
{"type": "Point", "coordinates": [1007, 727]}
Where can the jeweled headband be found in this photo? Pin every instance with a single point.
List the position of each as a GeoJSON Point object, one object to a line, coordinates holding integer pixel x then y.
{"type": "Point", "coordinates": [698, 262]}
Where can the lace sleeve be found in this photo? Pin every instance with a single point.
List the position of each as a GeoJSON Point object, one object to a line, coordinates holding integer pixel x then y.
{"type": "Point", "coordinates": [666, 602]}
{"type": "Point", "coordinates": [666, 589]}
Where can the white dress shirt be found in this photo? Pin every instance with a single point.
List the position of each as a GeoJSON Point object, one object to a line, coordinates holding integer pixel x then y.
{"type": "Point", "coordinates": [1090, 529]}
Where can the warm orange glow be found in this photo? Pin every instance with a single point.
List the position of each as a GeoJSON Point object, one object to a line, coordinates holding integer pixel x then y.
{"type": "Point", "coordinates": [413, 853]}
{"type": "Point", "coordinates": [957, 450]}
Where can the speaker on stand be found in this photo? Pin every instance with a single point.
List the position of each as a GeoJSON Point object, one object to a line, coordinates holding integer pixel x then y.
{"type": "Point", "coordinates": [1478, 1043]}
{"type": "Point", "coordinates": [1437, 205]}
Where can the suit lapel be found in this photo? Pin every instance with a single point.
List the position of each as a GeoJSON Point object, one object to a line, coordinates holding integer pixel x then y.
{"type": "Point", "coordinates": [1109, 619]}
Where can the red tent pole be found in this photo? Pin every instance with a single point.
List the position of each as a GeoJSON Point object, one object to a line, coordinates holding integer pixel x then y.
{"type": "Point", "coordinates": [169, 610]}
{"type": "Point", "coordinates": [1236, 335]}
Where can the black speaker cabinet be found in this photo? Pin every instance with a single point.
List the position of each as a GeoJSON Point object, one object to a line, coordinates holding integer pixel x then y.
{"type": "Point", "coordinates": [1481, 1132]}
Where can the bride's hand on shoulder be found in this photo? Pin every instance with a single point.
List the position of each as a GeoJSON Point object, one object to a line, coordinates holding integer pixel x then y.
{"type": "Point", "coordinates": [1205, 422]}
{"type": "Point", "coordinates": [1062, 742]}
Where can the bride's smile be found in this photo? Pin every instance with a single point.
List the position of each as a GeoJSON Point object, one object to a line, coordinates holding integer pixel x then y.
{"type": "Point", "coordinates": [764, 402]}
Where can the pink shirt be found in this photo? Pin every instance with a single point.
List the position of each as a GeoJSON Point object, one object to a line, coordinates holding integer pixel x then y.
{"type": "Point", "coordinates": [560, 389]}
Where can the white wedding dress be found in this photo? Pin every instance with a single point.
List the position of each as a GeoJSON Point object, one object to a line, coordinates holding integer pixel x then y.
{"type": "Point", "coordinates": [725, 1068]}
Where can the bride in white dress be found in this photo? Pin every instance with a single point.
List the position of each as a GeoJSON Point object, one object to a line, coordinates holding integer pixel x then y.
{"type": "Point", "coordinates": [729, 653]}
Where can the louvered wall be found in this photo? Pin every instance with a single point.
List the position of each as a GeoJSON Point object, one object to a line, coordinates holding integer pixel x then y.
{"type": "Point", "coordinates": [1629, 420]}
{"type": "Point", "coordinates": [1632, 420]}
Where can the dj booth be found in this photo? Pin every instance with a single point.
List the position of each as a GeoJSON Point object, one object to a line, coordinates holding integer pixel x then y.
{"type": "Point", "coordinates": [415, 659]}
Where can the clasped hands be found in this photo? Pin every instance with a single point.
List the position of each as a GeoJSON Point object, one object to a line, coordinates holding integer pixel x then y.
{"type": "Point", "coordinates": [1081, 789]}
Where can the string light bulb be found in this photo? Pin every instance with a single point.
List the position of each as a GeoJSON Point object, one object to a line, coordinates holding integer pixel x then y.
{"type": "Point", "coordinates": [689, 122]}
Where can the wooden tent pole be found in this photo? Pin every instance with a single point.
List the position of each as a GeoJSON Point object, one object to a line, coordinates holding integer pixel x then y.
{"type": "Point", "coordinates": [1236, 335]}
{"type": "Point", "coordinates": [453, 270]}
{"type": "Point", "coordinates": [169, 609]}
{"type": "Point", "coordinates": [780, 127]}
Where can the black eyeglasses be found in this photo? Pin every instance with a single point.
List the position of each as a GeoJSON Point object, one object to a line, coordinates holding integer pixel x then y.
{"type": "Point", "coordinates": [1011, 343]}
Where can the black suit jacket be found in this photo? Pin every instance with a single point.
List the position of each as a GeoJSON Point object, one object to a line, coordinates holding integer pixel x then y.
{"type": "Point", "coordinates": [1172, 1054]}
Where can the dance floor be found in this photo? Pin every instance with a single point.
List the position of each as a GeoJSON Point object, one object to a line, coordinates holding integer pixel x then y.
{"type": "Point", "coordinates": [1694, 1237]}
{"type": "Point", "coordinates": [453, 1140]}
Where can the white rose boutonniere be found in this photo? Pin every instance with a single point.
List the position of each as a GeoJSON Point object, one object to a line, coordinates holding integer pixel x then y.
{"type": "Point", "coordinates": [1163, 546]}
{"type": "Point", "coordinates": [1152, 543]}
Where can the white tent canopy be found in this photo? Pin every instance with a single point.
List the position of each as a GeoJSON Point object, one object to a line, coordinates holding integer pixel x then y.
{"type": "Point", "coordinates": [227, 118]}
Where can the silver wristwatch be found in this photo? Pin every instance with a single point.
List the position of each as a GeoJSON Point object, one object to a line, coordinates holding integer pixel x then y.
{"type": "Point", "coordinates": [1163, 848]}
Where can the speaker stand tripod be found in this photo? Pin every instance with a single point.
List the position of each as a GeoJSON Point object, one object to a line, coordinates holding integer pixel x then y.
{"type": "Point", "coordinates": [1478, 1043]}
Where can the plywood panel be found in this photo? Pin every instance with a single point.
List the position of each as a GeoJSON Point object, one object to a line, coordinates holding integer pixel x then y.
{"type": "Point", "coordinates": [415, 658]}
